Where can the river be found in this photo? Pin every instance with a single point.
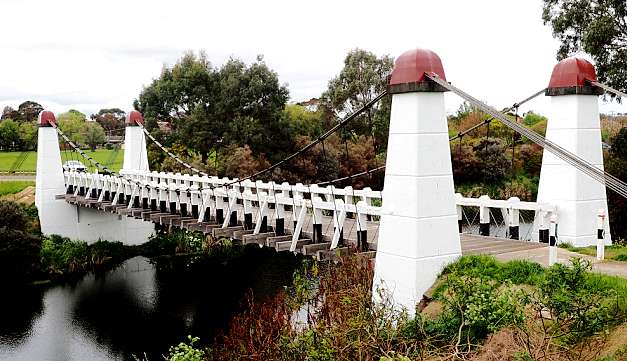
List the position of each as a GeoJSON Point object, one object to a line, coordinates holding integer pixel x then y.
{"type": "Point", "coordinates": [142, 306]}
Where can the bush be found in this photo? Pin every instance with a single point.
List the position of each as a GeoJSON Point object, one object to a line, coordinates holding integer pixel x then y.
{"type": "Point", "coordinates": [494, 164]}
{"type": "Point", "coordinates": [20, 242]}
{"type": "Point", "coordinates": [617, 166]}
{"type": "Point", "coordinates": [530, 159]}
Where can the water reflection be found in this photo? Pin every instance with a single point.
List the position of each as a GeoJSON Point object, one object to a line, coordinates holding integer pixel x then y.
{"type": "Point", "coordinates": [138, 307]}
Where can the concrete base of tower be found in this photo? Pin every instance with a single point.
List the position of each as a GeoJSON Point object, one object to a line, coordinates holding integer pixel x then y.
{"type": "Point", "coordinates": [404, 280]}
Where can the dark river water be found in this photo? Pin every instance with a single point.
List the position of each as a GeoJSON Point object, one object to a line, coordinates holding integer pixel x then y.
{"type": "Point", "coordinates": [142, 306]}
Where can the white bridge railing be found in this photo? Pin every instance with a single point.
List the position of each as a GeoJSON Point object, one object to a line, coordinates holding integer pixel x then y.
{"type": "Point", "coordinates": [213, 198]}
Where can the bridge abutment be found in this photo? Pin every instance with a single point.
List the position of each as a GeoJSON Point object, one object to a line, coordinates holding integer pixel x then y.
{"type": "Point", "coordinates": [419, 228]}
{"type": "Point", "coordinates": [574, 124]}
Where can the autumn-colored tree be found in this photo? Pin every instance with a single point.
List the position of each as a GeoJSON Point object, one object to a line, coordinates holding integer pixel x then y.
{"type": "Point", "coordinates": [111, 120]}
{"type": "Point", "coordinates": [465, 163]}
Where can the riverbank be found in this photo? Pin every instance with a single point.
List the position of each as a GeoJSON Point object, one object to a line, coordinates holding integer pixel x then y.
{"type": "Point", "coordinates": [480, 309]}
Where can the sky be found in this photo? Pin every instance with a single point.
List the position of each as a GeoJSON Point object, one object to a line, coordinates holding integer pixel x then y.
{"type": "Point", "coordinates": [85, 55]}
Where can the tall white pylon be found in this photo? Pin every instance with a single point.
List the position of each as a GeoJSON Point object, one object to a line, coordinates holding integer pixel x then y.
{"type": "Point", "coordinates": [76, 222]}
{"type": "Point", "coordinates": [135, 155]}
{"type": "Point", "coordinates": [574, 125]}
{"type": "Point", "coordinates": [55, 216]}
{"type": "Point", "coordinates": [419, 228]}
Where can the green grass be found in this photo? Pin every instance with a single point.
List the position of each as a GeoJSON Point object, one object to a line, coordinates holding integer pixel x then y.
{"type": "Point", "coordinates": [30, 163]}
{"type": "Point", "coordinates": [615, 252]}
{"type": "Point", "coordinates": [531, 273]}
{"type": "Point", "coordinates": [12, 187]}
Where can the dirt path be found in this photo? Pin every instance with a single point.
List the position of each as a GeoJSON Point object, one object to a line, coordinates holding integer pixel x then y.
{"type": "Point", "coordinates": [17, 178]}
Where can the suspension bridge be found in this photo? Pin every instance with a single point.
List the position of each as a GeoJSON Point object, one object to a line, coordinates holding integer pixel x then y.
{"type": "Point", "coordinates": [414, 226]}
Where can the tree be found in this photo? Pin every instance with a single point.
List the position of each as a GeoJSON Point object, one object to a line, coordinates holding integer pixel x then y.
{"type": "Point", "coordinates": [94, 135]}
{"type": "Point", "coordinates": [209, 108]}
{"type": "Point", "coordinates": [9, 133]}
{"type": "Point", "coordinates": [111, 120]}
{"type": "Point", "coordinates": [28, 135]}
{"type": "Point", "coordinates": [465, 109]}
{"type": "Point", "coordinates": [183, 94]}
{"type": "Point", "coordinates": [494, 164]}
{"type": "Point", "coordinates": [598, 28]}
{"type": "Point", "coordinates": [9, 113]}
{"type": "Point", "coordinates": [29, 111]}
{"type": "Point", "coordinates": [251, 100]}
{"type": "Point", "coordinates": [616, 165]}
{"type": "Point", "coordinates": [72, 124]}
{"type": "Point", "coordinates": [19, 241]}
{"type": "Point", "coordinates": [363, 77]}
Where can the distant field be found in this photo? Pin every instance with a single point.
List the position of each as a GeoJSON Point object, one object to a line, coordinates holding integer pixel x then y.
{"type": "Point", "coordinates": [102, 156]}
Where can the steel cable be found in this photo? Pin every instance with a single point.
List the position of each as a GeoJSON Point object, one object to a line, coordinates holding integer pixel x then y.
{"type": "Point", "coordinates": [608, 88]}
{"type": "Point", "coordinates": [579, 163]}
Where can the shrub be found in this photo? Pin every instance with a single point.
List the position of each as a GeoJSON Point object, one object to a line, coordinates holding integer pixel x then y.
{"type": "Point", "coordinates": [530, 159]}
{"type": "Point", "coordinates": [494, 164]}
{"type": "Point", "coordinates": [20, 242]}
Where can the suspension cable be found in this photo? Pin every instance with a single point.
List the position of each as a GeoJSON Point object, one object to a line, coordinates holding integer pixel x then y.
{"type": "Point", "coordinates": [579, 163]}
{"type": "Point", "coordinates": [76, 148]}
{"type": "Point", "coordinates": [514, 106]}
{"type": "Point", "coordinates": [170, 153]}
{"type": "Point", "coordinates": [608, 88]}
{"type": "Point", "coordinates": [324, 136]}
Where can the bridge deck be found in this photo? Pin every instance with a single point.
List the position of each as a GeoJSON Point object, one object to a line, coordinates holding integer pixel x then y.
{"type": "Point", "coordinates": [502, 249]}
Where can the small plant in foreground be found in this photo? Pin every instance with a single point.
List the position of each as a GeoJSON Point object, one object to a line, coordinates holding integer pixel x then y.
{"type": "Point", "coordinates": [185, 352]}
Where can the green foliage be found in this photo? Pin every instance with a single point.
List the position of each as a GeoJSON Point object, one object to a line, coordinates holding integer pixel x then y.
{"type": "Point", "coordinates": [364, 76]}
{"type": "Point", "coordinates": [493, 163]}
{"type": "Point", "coordinates": [474, 307]}
{"type": "Point", "coordinates": [516, 271]}
{"type": "Point", "coordinates": [532, 119]}
{"type": "Point", "coordinates": [616, 165]}
{"type": "Point", "coordinates": [529, 159]}
{"type": "Point", "coordinates": [72, 124]}
{"type": "Point", "coordinates": [111, 120]}
{"type": "Point", "coordinates": [27, 112]}
{"type": "Point", "coordinates": [211, 108]}
{"type": "Point", "coordinates": [61, 256]}
{"type": "Point", "coordinates": [9, 134]}
{"type": "Point", "coordinates": [579, 307]}
{"type": "Point", "coordinates": [175, 241]}
{"type": "Point", "coordinates": [619, 145]}
{"type": "Point", "coordinates": [185, 352]}
{"type": "Point", "coordinates": [94, 135]}
{"type": "Point", "coordinates": [464, 110]}
{"type": "Point", "coordinates": [596, 28]}
{"type": "Point", "coordinates": [20, 242]}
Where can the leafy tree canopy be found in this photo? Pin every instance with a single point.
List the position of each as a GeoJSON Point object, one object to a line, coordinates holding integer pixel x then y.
{"type": "Point", "coordinates": [111, 120]}
{"type": "Point", "coordinates": [28, 111]}
{"type": "Point", "coordinates": [209, 108]}
{"type": "Point", "coordinates": [94, 135]}
{"type": "Point", "coordinates": [598, 28]}
{"type": "Point", "coordinates": [9, 133]}
{"type": "Point", "coordinates": [363, 77]}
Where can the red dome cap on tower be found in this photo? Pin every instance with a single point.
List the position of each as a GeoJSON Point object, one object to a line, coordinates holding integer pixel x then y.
{"type": "Point", "coordinates": [569, 77]}
{"type": "Point", "coordinates": [572, 72]}
{"type": "Point", "coordinates": [412, 65]}
{"type": "Point", "coordinates": [134, 117]}
{"type": "Point", "coordinates": [45, 118]}
{"type": "Point", "coordinates": [409, 72]}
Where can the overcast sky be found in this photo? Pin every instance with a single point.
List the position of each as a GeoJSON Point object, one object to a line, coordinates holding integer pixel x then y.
{"type": "Point", "coordinates": [77, 54]}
